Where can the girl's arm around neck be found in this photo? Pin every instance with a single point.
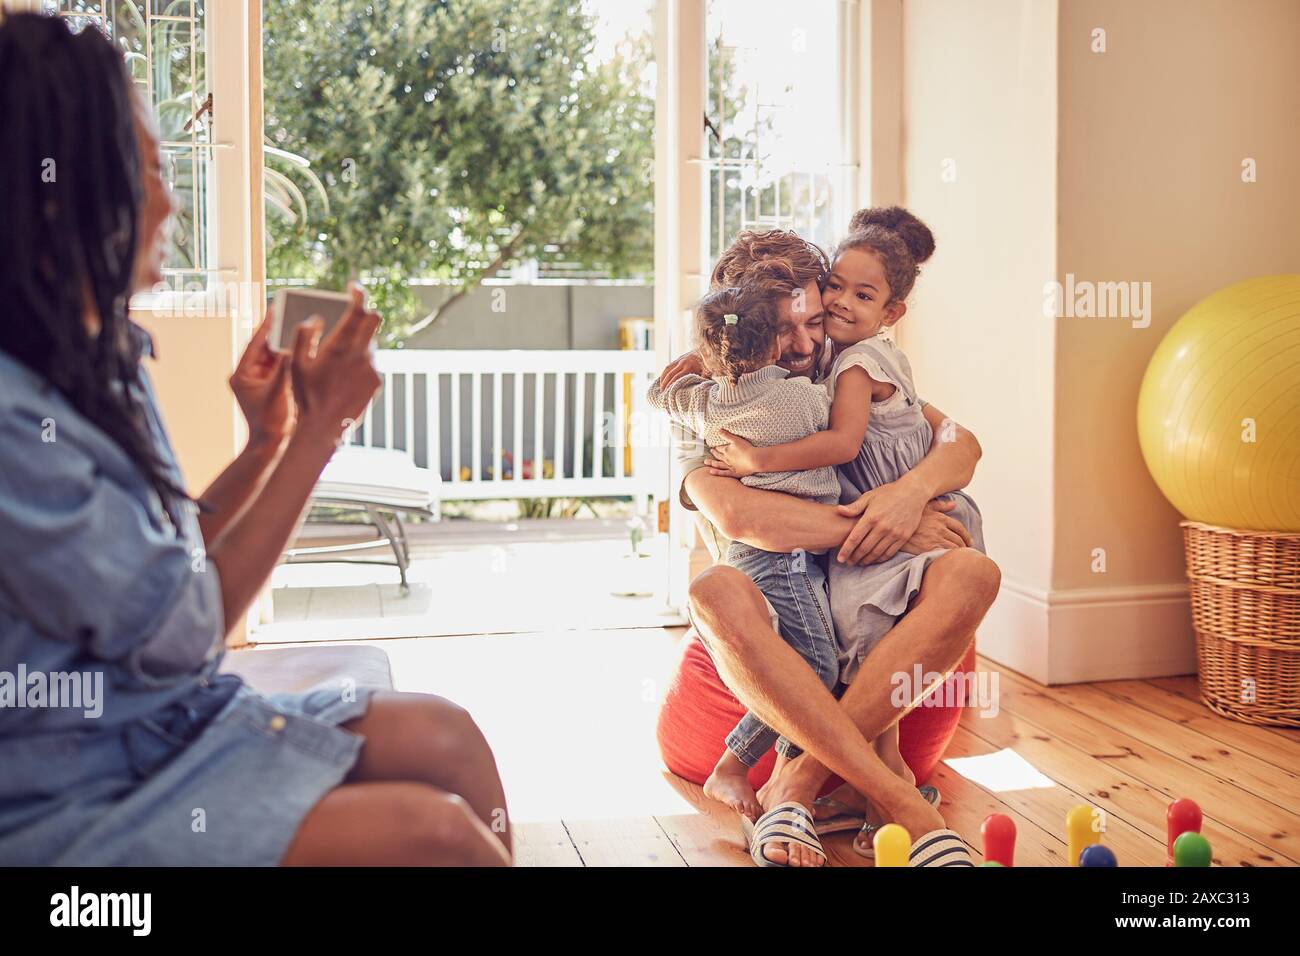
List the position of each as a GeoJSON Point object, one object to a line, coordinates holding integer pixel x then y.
{"type": "Point", "coordinates": [683, 401]}
{"type": "Point", "coordinates": [835, 445]}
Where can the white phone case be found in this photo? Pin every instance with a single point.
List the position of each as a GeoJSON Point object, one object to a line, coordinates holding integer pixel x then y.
{"type": "Point", "coordinates": [292, 307]}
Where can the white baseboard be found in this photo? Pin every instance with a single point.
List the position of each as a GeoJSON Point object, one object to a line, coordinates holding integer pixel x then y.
{"type": "Point", "coordinates": [1090, 634]}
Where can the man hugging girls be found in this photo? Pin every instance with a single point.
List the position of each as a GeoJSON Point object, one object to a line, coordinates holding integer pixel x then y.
{"type": "Point", "coordinates": [862, 415]}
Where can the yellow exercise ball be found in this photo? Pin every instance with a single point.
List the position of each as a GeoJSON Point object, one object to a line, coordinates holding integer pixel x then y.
{"type": "Point", "coordinates": [1219, 409]}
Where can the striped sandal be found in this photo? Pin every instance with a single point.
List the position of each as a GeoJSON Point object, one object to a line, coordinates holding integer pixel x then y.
{"type": "Point", "coordinates": [842, 820]}
{"type": "Point", "coordinates": [785, 823]}
{"type": "Point", "coordinates": [940, 848]}
{"type": "Point", "coordinates": [864, 844]}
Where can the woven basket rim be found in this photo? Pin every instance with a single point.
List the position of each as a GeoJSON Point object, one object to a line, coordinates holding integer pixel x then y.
{"type": "Point", "coordinates": [1241, 532]}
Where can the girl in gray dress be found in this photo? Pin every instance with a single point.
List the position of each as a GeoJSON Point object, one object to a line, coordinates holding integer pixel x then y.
{"type": "Point", "coordinates": [877, 430]}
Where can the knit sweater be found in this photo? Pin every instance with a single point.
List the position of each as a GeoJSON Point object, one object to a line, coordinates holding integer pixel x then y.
{"type": "Point", "coordinates": [764, 408]}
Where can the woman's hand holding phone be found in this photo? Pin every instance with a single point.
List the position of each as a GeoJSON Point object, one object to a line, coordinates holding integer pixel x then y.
{"type": "Point", "coordinates": [261, 386]}
{"type": "Point", "coordinates": [334, 376]}
{"type": "Point", "coordinates": [333, 379]}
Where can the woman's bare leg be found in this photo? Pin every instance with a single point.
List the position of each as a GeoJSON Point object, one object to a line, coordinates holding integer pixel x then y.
{"type": "Point", "coordinates": [393, 824]}
{"type": "Point", "coordinates": [426, 739]}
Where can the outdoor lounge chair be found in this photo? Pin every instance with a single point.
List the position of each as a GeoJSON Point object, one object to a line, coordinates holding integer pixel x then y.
{"type": "Point", "coordinates": [381, 484]}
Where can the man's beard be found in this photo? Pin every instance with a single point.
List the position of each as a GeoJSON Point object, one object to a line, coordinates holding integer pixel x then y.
{"type": "Point", "coordinates": [799, 364]}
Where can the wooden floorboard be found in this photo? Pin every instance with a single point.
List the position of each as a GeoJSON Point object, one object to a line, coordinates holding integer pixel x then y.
{"type": "Point", "coordinates": [544, 844]}
{"type": "Point", "coordinates": [1131, 778]}
{"type": "Point", "coordinates": [625, 841]}
{"type": "Point", "coordinates": [1252, 774]}
{"type": "Point", "coordinates": [708, 837]}
{"type": "Point", "coordinates": [1280, 751]}
{"type": "Point", "coordinates": [1187, 687]}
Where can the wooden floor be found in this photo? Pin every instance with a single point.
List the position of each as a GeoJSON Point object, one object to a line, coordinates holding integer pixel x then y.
{"type": "Point", "coordinates": [570, 716]}
{"type": "Point", "coordinates": [1126, 747]}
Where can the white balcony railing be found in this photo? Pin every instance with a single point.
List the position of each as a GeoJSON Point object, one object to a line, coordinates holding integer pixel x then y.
{"type": "Point", "coordinates": [518, 423]}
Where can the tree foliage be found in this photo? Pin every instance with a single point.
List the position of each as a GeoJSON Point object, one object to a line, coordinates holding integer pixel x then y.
{"type": "Point", "coordinates": [454, 138]}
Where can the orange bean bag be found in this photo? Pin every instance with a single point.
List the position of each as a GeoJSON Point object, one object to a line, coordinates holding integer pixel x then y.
{"type": "Point", "coordinates": [698, 713]}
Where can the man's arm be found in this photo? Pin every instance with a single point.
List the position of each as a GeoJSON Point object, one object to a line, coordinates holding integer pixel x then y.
{"type": "Point", "coordinates": [888, 515]}
{"type": "Point", "coordinates": [949, 465]}
{"type": "Point", "coordinates": [774, 521]}
{"type": "Point", "coordinates": [879, 524]}
{"type": "Point", "coordinates": [769, 520]}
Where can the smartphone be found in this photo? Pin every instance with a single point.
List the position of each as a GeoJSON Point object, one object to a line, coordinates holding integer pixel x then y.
{"type": "Point", "coordinates": [292, 307]}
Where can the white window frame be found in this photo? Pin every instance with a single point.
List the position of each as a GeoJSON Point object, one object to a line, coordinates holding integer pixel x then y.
{"type": "Point", "coordinates": [681, 185]}
{"type": "Point", "coordinates": [236, 271]}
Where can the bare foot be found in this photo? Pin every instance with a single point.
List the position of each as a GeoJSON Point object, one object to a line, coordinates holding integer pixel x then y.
{"type": "Point", "coordinates": [785, 787]}
{"type": "Point", "coordinates": [729, 784]}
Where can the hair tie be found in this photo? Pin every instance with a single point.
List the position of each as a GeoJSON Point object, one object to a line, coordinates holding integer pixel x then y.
{"type": "Point", "coordinates": [731, 318]}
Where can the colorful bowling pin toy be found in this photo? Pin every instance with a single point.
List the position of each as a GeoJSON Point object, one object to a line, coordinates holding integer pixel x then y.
{"type": "Point", "coordinates": [1097, 855]}
{"type": "Point", "coordinates": [1184, 816]}
{"type": "Point", "coordinates": [999, 834]}
{"type": "Point", "coordinates": [1079, 831]}
{"type": "Point", "coordinates": [1192, 849]}
{"type": "Point", "coordinates": [993, 863]}
{"type": "Point", "coordinates": [892, 844]}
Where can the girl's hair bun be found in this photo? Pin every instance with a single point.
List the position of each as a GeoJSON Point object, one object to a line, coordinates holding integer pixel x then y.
{"type": "Point", "coordinates": [915, 234]}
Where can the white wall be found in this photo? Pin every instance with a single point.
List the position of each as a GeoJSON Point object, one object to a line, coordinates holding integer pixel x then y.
{"type": "Point", "coordinates": [979, 103]}
{"type": "Point", "coordinates": [1152, 139]}
{"type": "Point", "coordinates": [1115, 166]}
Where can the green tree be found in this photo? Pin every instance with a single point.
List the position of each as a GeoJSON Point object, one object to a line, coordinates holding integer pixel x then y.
{"type": "Point", "coordinates": [455, 137]}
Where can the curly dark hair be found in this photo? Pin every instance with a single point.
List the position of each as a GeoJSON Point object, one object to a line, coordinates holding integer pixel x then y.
{"type": "Point", "coordinates": [782, 258]}
{"type": "Point", "coordinates": [66, 105]}
{"type": "Point", "coordinates": [729, 350]}
{"type": "Point", "coordinates": [901, 240]}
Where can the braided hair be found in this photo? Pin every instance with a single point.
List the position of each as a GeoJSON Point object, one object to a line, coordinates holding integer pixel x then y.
{"type": "Point", "coordinates": [70, 186]}
{"type": "Point", "coordinates": [736, 328]}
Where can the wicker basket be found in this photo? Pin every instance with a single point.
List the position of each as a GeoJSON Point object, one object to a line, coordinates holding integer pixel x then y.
{"type": "Point", "coordinates": [1245, 592]}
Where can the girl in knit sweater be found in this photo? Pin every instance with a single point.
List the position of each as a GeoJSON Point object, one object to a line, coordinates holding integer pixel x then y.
{"type": "Point", "coordinates": [748, 395]}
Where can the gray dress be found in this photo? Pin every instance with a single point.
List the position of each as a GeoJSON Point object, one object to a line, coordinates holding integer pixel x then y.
{"type": "Point", "coordinates": [867, 601]}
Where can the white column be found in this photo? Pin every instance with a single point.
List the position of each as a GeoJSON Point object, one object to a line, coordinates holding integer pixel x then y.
{"type": "Point", "coordinates": [680, 221]}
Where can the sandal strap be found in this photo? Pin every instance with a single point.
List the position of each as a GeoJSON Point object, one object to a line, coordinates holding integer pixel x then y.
{"type": "Point", "coordinates": [839, 806]}
{"type": "Point", "coordinates": [786, 823]}
{"type": "Point", "coordinates": [940, 848]}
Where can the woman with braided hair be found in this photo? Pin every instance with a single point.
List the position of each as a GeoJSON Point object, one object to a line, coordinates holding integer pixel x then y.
{"type": "Point", "coordinates": [115, 582]}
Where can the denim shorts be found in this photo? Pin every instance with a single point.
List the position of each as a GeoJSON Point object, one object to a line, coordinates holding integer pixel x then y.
{"type": "Point", "coordinates": [233, 794]}
{"type": "Point", "coordinates": [795, 586]}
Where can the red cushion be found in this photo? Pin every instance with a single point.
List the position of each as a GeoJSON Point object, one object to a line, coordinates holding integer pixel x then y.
{"type": "Point", "coordinates": [698, 713]}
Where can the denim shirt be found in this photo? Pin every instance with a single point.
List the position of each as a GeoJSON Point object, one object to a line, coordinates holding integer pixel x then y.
{"type": "Point", "coordinates": [96, 585]}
